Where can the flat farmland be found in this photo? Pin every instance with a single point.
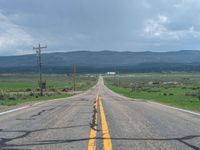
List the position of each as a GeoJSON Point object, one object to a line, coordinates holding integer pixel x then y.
{"type": "Point", "coordinates": [20, 88]}
{"type": "Point", "coordinates": [175, 89]}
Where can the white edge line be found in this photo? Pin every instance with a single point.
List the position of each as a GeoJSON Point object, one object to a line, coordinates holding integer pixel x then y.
{"type": "Point", "coordinates": [183, 110]}
{"type": "Point", "coordinates": [38, 103]}
{"type": "Point", "coordinates": [13, 110]}
{"type": "Point", "coordinates": [27, 106]}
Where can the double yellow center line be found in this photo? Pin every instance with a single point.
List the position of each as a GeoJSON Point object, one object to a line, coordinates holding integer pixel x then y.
{"type": "Point", "coordinates": [93, 131]}
{"type": "Point", "coordinates": [107, 143]}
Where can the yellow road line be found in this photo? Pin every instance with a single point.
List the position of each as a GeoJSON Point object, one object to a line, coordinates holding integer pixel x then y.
{"type": "Point", "coordinates": [105, 130]}
{"type": "Point", "coordinates": [93, 131]}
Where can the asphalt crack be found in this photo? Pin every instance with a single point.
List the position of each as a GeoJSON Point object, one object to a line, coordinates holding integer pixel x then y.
{"type": "Point", "coordinates": [93, 123]}
{"type": "Point", "coordinates": [41, 112]}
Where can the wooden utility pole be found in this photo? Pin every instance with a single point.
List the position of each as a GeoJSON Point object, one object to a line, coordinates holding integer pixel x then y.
{"type": "Point", "coordinates": [118, 79]}
{"type": "Point", "coordinates": [74, 76]}
{"type": "Point", "coordinates": [39, 61]}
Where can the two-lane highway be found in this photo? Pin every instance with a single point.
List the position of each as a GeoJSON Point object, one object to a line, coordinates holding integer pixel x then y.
{"type": "Point", "coordinates": [99, 119]}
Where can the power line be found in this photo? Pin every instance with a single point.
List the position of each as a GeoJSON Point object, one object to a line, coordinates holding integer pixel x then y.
{"type": "Point", "coordinates": [39, 61]}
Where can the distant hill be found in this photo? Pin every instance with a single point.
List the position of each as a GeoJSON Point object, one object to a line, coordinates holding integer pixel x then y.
{"type": "Point", "coordinates": [102, 61]}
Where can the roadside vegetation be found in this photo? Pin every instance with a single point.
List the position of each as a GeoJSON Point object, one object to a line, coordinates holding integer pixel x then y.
{"type": "Point", "coordinates": [176, 89]}
{"type": "Point", "coordinates": [19, 88]}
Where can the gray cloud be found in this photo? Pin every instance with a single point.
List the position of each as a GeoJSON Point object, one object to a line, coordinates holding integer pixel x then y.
{"type": "Point", "coordinates": [160, 25]}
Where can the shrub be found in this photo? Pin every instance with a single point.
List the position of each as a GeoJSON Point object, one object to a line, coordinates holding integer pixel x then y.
{"type": "Point", "coordinates": [66, 89]}
{"type": "Point", "coordinates": [153, 90]}
{"type": "Point", "coordinates": [195, 88]}
{"type": "Point", "coordinates": [190, 94]}
{"type": "Point", "coordinates": [52, 89]}
{"type": "Point", "coordinates": [88, 82]}
{"type": "Point", "coordinates": [49, 94]}
{"type": "Point", "coordinates": [23, 97]}
{"type": "Point", "coordinates": [12, 98]}
{"type": "Point", "coordinates": [31, 94]}
{"type": "Point", "coordinates": [2, 95]}
{"type": "Point", "coordinates": [198, 95]}
{"type": "Point", "coordinates": [28, 90]}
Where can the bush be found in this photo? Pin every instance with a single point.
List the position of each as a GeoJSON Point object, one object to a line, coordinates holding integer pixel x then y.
{"type": "Point", "coordinates": [31, 94]}
{"type": "Point", "coordinates": [23, 97]}
{"type": "Point", "coordinates": [49, 94]}
{"type": "Point", "coordinates": [88, 82]}
{"type": "Point", "coordinates": [2, 95]}
{"type": "Point", "coordinates": [28, 90]}
{"type": "Point", "coordinates": [198, 95]}
{"type": "Point", "coordinates": [153, 90]}
{"type": "Point", "coordinates": [190, 94]}
{"type": "Point", "coordinates": [12, 98]}
{"type": "Point", "coordinates": [195, 88]}
{"type": "Point", "coordinates": [66, 89]}
{"type": "Point", "coordinates": [52, 89]}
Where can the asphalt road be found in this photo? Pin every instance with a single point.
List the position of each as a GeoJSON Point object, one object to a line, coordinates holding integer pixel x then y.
{"type": "Point", "coordinates": [99, 119]}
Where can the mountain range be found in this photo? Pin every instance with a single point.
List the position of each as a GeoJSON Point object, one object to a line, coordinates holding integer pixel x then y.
{"type": "Point", "coordinates": [102, 61]}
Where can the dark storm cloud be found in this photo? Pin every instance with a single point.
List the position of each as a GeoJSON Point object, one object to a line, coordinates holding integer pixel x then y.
{"type": "Point", "coordinates": [159, 25]}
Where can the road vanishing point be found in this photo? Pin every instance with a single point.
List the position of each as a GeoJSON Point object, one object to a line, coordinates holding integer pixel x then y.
{"type": "Point", "coordinates": [99, 119]}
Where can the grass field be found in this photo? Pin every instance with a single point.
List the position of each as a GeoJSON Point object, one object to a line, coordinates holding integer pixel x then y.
{"type": "Point", "coordinates": [20, 88]}
{"type": "Point", "coordinates": [176, 89]}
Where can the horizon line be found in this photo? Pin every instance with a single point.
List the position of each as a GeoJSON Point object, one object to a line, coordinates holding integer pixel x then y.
{"type": "Point", "coordinates": [96, 51]}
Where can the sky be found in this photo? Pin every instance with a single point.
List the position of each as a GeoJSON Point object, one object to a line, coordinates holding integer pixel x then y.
{"type": "Point", "coordinates": [121, 25]}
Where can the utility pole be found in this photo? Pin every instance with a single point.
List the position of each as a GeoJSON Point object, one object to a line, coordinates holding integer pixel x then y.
{"type": "Point", "coordinates": [39, 61]}
{"type": "Point", "coordinates": [74, 76]}
{"type": "Point", "coordinates": [115, 76]}
{"type": "Point", "coordinates": [118, 79]}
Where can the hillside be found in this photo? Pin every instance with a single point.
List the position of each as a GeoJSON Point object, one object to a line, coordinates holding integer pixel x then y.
{"type": "Point", "coordinates": [102, 61]}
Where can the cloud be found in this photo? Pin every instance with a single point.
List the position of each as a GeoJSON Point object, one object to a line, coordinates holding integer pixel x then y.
{"type": "Point", "coordinates": [163, 19]}
{"type": "Point", "coordinates": [160, 28]}
{"type": "Point", "coordinates": [98, 25]}
{"type": "Point", "coordinates": [12, 35]}
{"type": "Point", "coordinates": [156, 27]}
{"type": "Point", "coordinates": [184, 4]}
